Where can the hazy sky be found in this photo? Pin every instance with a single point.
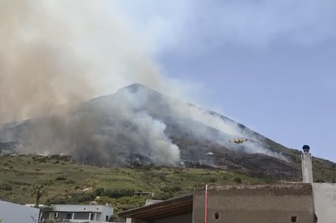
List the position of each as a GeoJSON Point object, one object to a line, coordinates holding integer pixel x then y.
{"type": "Point", "coordinates": [267, 64]}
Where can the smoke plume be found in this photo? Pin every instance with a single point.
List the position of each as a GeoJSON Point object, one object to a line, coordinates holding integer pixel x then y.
{"type": "Point", "coordinates": [56, 54]}
{"type": "Point", "coordinates": [63, 52]}
{"type": "Point", "coordinates": [229, 129]}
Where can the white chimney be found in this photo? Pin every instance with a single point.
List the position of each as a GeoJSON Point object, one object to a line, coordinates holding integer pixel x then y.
{"type": "Point", "coordinates": [307, 165]}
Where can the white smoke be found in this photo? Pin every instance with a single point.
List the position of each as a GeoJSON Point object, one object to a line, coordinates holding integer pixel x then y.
{"type": "Point", "coordinates": [63, 52]}
{"type": "Point", "coordinates": [163, 151]}
{"type": "Point", "coordinates": [230, 128]}
{"type": "Point", "coordinates": [56, 54]}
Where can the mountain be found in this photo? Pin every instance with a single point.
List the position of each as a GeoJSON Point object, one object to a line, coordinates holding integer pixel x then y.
{"type": "Point", "coordinates": [139, 126]}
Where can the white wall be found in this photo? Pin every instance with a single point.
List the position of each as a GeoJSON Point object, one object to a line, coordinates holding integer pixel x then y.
{"type": "Point", "coordinates": [307, 167]}
{"type": "Point", "coordinates": [187, 218]}
{"type": "Point", "coordinates": [325, 202]}
{"type": "Point", "coordinates": [101, 211]}
{"type": "Point", "coordinates": [78, 208]}
{"type": "Point", "coordinates": [105, 211]}
{"type": "Point", "coordinates": [14, 213]}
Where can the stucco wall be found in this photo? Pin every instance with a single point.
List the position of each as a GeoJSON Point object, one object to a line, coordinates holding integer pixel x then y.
{"type": "Point", "coordinates": [14, 213]}
{"type": "Point", "coordinates": [187, 218]}
{"type": "Point", "coordinates": [307, 168]}
{"type": "Point", "coordinates": [106, 211]}
{"type": "Point", "coordinates": [79, 208]}
{"type": "Point", "coordinates": [255, 203]}
{"type": "Point", "coordinates": [325, 202]}
{"type": "Point", "coordinates": [100, 210]}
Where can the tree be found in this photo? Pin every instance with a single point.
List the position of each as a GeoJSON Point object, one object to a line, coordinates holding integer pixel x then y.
{"type": "Point", "coordinates": [39, 190]}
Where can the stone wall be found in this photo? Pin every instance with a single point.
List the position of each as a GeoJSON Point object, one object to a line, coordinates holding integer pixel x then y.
{"type": "Point", "coordinates": [277, 203]}
{"type": "Point", "coordinates": [186, 218]}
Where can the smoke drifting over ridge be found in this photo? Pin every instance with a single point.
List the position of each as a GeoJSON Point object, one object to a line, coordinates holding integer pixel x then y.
{"type": "Point", "coordinates": [230, 128]}
{"type": "Point", "coordinates": [56, 54]}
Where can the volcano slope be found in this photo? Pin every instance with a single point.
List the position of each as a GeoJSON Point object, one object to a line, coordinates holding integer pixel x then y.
{"type": "Point", "coordinates": [139, 126]}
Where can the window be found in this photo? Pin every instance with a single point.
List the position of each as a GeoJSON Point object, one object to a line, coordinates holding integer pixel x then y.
{"type": "Point", "coordinates": [216, 215]}
{"type": "Point", "coordinates": [68, 216]}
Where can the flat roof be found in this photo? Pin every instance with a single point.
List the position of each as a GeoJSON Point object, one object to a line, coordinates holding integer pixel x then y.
{"type": "Point", "coordinates": [277, 189]}
{"type": "Point", "coordinates": [163, 209]}
{"type": "Point", "coordinates": [79, 208]}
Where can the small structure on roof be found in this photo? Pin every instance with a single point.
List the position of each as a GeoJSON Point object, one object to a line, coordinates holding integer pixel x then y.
{"type": "Point", "coordinates": [150, 201]}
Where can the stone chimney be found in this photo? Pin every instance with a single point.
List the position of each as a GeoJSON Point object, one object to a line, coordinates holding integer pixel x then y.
{"type": "Point", "coordinates": [307, 165]}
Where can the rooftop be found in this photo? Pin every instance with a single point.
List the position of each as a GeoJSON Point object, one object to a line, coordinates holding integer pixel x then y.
{"type": "Point", "coordinates": [78, 208]}
{"type": "Point", "coordinates": [167, 208]}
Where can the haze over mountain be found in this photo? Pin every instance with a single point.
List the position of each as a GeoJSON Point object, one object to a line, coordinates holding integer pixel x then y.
{"type": "Point", "coordinates": [138, 124]}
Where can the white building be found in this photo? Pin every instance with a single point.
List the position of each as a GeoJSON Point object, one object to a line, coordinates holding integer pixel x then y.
{"type": "Point", "coordinates": [15, 213]}
{"type": "Point", "coordinates": [33, 205]}
{"type": "Point", "coordinates": [81, 213]}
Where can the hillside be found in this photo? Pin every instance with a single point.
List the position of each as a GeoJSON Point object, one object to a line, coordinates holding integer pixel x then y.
{"type": "Point", "coordinates": [69, 182]}
{"type": "Point", "coordinates": [137, 125]}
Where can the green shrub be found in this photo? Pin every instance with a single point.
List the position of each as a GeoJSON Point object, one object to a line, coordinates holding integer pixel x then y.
{"type": "Point", "coordinates": [61, 177]}
{"type": "Point", "coordinates": [238, 180]}
{"type": "Point", "coordinates": [116, 185]}
{"type": "Point", "coordinates": [5, 187]}
{"type": "Point", "coordinates": [213, 179]}
{"type": "Point", "coordinates": [113, 193]}
{"type": "Point", "coordinates": [171, 189]}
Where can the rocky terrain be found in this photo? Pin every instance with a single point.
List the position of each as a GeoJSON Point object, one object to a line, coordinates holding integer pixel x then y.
{"type": "Point", "coordinates": [139, 126]}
